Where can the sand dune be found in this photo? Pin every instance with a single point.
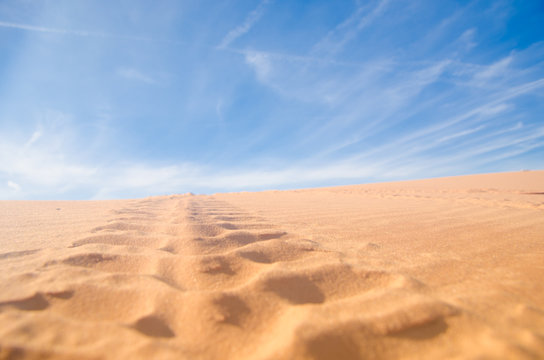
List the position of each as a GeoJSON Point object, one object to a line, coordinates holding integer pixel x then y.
{"type": "Point", "coordinates": [438, 268]}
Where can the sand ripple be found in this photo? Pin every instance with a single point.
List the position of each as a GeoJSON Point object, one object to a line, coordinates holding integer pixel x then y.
{"type": "Point", "coordinates": [313, 275]}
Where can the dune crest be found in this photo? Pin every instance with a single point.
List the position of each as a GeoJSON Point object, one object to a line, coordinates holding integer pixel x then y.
{"type": "Point", "coordinates": [438, 268]}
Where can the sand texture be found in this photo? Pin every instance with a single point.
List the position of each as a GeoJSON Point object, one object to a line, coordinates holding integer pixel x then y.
{"type": "Point", "coordinates": [440, 268]}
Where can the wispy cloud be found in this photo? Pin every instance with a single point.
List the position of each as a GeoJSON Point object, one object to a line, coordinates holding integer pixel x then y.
{"type": "Point", "coordinates": [43, 170]}
{"type": "Point", "coordinates": [378, 90]}
{"type": "Point", "coordinates": [137, 75]}
{"type": "Point", "coordinates": [35, 136]}
{"type": "Point", "coordinates": [86, 33]}
{"type": "Point", "coordinates": [362, 17]}
{"type": "Point", "coordinates": [251, 19]}
{"type": "Point", "coordinates": [499, 68]}
{"type": "Point", "coordinates": [459, 134]}
{"type": "Point", "coordinates": [13, 186]}
{"type": "Point", "coordinates": [52, 30]}
{"type": "Point", "coordinates": [57, 171]}
{"type": "Point", "coordinates": [467, 39]}
{"type": "Point", "coordinates": [48, 29]}
{"type": "Point", "coordinates": [429, 135]}
{"type": "Point", "coordinates": [261, 63]}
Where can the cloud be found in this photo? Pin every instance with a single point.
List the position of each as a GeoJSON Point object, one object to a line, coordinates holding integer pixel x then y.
{"type": "Point", "coordinates": [14, 186]}
{"type": "Point", "coordinates": [359, 103]}
{"type": "Point", "coordinates": [43, 165]}
{"type": "Point", "coordinates": [48, 165]}
{"type": "Point", "coordinates": [53, 168]}
{"type": "Point", "coordinates": [85, 33]}
{"type": "Point", "coordinates": [35, 136]}
{"type": "Point", "coordinates": [400, 103]}
{"type": "Point", "coordinates": [412, 143]}
{"type": "Point", "coordinates": [48, 169]}
{"type": "Point", "coordinates": [459, 134]}
{"type": "Point", "coordinates": [55, 174]}
{"type": "Point", "coordinates": [47, 29]}
{"type": "Point", "coordinates": [145, 179]}
{"type": "Point", "coordinates": [346, 31]}
{"type": "Point", "coordinates": [510, 143]}
{"type": "Point", "coordinates": [494, 70]}
{"type": "Point", "coordinates": [248, 23]}
{"type": "Point", "coordinates": [261, 63]}
{"type": "Point", "coordinates": [134, 74]}
{"type": "Point", "coordinates": [467, 39]}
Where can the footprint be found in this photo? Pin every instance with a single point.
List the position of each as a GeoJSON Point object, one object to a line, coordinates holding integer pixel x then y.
{"type": "Point", "coordinates": [420, 319]}
{"type": "Point", "coordinates": [13, 254]}
{"type": "Point", "coordinates": [64, 295]}
{"type": "Point", "coordinates": [241, 238]}
{"type": "Point", "coordinates": [228, 226]}
{"type": "Point", "coordinates": [216, 265]}
{"type": "Point", "coordinates": [118, 239]}
{"type": "Point", "coordinates": [88, 260]}
{"type": "Point", "coordinates": [232, 309]}
{"type": "Point", "coordinates": [153, 326]}
{"type": "Point", "coordinates": [333, 344]}
{"type": "Point", "coordinates": [129, 219]}
{"type": "Point", "coordinates": [270, 236]}
{"type": "Point", "coordinates": [424, 331]}
{"type": "Point", "coordinates": [120, 226]}
{"type": "Point", "coordinates": [167, 281]}
{"type": "Point", "coordinates": [11, 351]}
{"type": "Point", "coordinates": [34, 303]}
{"type": "Point", "coordinates": [373, 246]}
{"type": "Point", "coordinates": [206, 229]}
{"type": "Point", "coordinates": [256, 256]}
{"type": "Point", "coordinates": [134, 212]}
{"type": "Point", "coordinates": [168, 249]}
{"type": "Point", "coordinates": [228, 218]}
{"type": "Point", "coordinates": [297, 289]}
{"type": "Point", "coordinates": [276, 250]}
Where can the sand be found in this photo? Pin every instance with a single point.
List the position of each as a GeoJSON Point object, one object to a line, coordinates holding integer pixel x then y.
{"type": "Point", "coordinates": [430, 269]}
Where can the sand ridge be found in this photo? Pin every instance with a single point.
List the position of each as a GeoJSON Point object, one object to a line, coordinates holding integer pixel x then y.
{"type": "Point", "coordinates": [439, 268]}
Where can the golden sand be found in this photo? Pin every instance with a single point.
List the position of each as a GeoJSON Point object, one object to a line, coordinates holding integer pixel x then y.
{"type": "Point", "coordinates": [430, 269]}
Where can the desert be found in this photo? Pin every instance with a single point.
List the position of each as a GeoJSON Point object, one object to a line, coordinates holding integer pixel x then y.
{"type": "Point", "coordinates": [427, 269]}
{"type": "Point", "coordinates": [271, 180]}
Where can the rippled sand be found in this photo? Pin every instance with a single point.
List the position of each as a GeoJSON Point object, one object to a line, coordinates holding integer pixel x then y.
{"type": "Point", "coordinates": [438, 268]}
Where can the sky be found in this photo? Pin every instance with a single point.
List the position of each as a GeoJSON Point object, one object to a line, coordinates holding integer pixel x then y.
{"type": "Point", "coordinates": [108, 99]}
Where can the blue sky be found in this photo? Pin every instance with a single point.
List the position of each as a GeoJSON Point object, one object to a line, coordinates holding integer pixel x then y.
{"type": "Point", "coordinates": [102, 99]}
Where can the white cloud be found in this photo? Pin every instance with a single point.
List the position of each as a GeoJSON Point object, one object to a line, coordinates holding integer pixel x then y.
{"type": "Point", "coordinates": [134, 74]}
{"type": "Point", "coordinates": [353, 105]}
{"type": "Point", "coordinates": [495, 109]}
{"type": "Point", "coordinates": [488, 109]}
{"type": "Point", "coordinates": [44, 29]}
{"type": "Point", "coordinates": [84, 33]}
{"type": "Point", "coordinates": [35, 136]}
{"type": "Point", "coordinates": [467, 39]}
{"type": "Point", "coordinates": [54, 174]}
{"type": "Point", "coordinates": [346, 31]}
{"type": "Point", "coordinates": [51, 169]}
{"type": "Point", "coordinates": [494, 70]}
{"type": "Point", "coordinates": [43, 166]}
{"type": "Point", "coordinates": [48, 165]}
{"type": "Point", "coordinates": [155, 180]}
{"type": "Point", "coordinates": [511, 143]}
{"type": "Point", "coordinates": [14, 186]}
{"type": "Point", "coordinates": [248, 23]}
{"type": "Point", "coordinates": [261, 64]}
{"type": "Point", "coordinates": [459, 134]}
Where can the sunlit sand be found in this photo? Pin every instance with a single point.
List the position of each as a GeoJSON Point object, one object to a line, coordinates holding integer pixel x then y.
{"type": "Point", "coordinates": [429, 269]}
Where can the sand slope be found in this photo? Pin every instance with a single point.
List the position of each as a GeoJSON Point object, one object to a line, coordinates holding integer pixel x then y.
{"type": "Point", "coordinates": [439, 268]}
